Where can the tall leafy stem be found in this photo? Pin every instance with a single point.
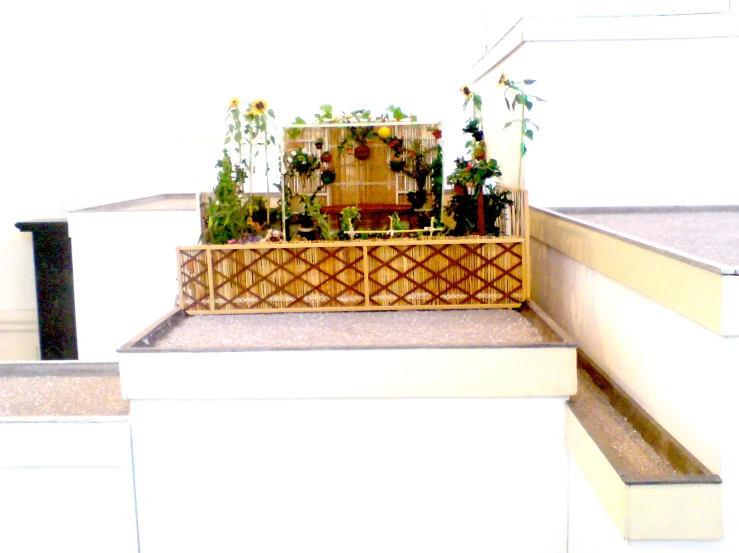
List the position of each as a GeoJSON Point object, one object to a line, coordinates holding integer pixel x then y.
{"type": "Point", "coordinates": [251, 127]}
{"type": "Point", "coordinates": [520, 98]}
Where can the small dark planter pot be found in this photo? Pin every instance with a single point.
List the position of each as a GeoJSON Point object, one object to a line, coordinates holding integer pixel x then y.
{"type": "Point", "coordinates": [307, 230]}
{"type": "Point", "coordinates": [479, 135]}
{"type": "Point", "coordinates": [319, 144]}
{"type": "Point", "coordinates": [397, 165]}
{"type": "Point", "coordinates": [362, 152]}
{"type": "Point", "coordinates": [328, 176]}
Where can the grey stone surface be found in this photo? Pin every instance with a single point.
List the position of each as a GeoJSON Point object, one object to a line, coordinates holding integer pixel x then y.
{"type": "Point", "coordinates": [711, 234]}
{"type": "Point", "coordinates": [61, 390]}
{"type": "Point", "coordinates": [358, 329]}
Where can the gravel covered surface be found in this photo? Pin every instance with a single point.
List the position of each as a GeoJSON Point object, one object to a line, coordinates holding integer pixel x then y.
{"type": "Point", "coordinates": [359, 329]}
{"type": "Point", "coordinates": [712, 235]}
{"type": "Point", "coordinates": [627, 450]}
{"type": "Point", "coordinates": [61, 396]}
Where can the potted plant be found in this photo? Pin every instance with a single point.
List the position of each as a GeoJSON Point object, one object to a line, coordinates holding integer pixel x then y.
{"type": "Point", "coordinates": [301, 163]}
{"type": "Point", "coordinates": [360, 136]}
{"type": "Point", "coordinates": [326, 157]}
{"type": "Point", "coordinates": [397, 163]}
{"type": "Point", "coordinates": [328, 175]}
{"type": "Point", "coordinates": [463, 207]}
{"type": "Point", "coordinates": [319, 143]}
{"type": "Point", "coordinates": [418, 166]}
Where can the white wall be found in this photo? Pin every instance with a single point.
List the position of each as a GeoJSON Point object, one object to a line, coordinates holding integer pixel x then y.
{"type": "Point", "coordinates": [67, 485]}
{"type": "Point", "coordinates": [32, 175]}
{"type": "Point", "coordinates": [638, 109]}
{"type": "Point", "coordinates": [121, 288]}
{"type": "Point", "coordinates": [19, 335]}
{"type": "Point", "coordinates": [360, 475]}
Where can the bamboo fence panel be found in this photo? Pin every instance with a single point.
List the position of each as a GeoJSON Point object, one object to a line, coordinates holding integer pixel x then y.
{"type": "Point", "coordinates": [438, 273]}
{"type": "Point", "coordinates": [357, 182]}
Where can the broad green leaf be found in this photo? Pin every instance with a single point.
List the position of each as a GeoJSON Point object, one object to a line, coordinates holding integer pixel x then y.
{"type": "Point", "coordinates": [529, 81]}
{"type": "Point", "coordinates": [529, 134]}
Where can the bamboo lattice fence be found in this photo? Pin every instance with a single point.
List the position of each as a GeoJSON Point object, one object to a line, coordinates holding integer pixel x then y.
{"type": "Point", "coordinates": [433, 273]}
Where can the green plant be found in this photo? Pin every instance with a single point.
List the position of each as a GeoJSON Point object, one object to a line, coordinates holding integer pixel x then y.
{"type": "Point", "coordinates": [463, 209]}
{"type": "Point", "coordinates": [520, 98]}
{"type": "Point", "coordinates": [250, 129]}
{"type": "Point", "coordinates": [395, 113]}
{"type": "Point", "coordinates": [420, 162]}
{"type": "Point", "coordinates": [358, 136]}
{"type": "Point", "coordinates": [301, 163]}
{"type": "Point", "coordinates": [347, 218]}
{"type": "Point", "coordinates": [319, 219]}
{"type": "Point", "coordinates": [227, 212]}
{"type": "Point", "coordinates": [325, 115]}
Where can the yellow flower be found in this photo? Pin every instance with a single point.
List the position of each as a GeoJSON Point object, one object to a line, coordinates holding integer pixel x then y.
{"type": "Point", "coordinates": [466, 91]}
{"type": "Point", "coordinates": [258, 107]}
{"type": "Point", "coordinates": [503, 80]}
{"type": "Point", "coordinates": [234, 102]}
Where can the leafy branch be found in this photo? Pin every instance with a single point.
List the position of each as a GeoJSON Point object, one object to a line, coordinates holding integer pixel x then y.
{"type": "Point", "coordinates": [523, 99]}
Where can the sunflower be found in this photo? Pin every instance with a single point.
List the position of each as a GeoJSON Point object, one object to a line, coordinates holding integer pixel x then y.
{"type": "Point", "coordinates": [258, 107]}
{"type": "Point", "coordinates": [503, 80]}
{"type": "Point", "coordinates": [234, 102]}
{"type": "Point", "coordinates": [466, 91]}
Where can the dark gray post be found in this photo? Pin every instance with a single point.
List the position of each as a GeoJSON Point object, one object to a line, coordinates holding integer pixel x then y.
{"type": "Point", "coordinates": [52, 254]}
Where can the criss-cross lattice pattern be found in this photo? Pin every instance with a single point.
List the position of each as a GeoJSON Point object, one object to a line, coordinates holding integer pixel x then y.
{"type": "Point", "coordinates": [403, 274]}
{"type": "Point", "coordinates": [430, 274]}
{"type": "Point", "coordinates": [194, 282]}
{"type": "Point", "coordinates": [287, 278]}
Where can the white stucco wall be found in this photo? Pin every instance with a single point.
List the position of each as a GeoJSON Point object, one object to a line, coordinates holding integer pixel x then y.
{"type": "Point", "coordinates": [67, 485]}
{"type": "Point", "coordinates": [362, 475]}
{"type": "Point", "coordinates": [638, 109]}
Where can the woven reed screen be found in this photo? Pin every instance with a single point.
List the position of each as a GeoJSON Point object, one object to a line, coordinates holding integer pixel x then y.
{"type": "Point", "coordinates": [363, 275]}
{"type": "Point", "coordinates": [367, 181]}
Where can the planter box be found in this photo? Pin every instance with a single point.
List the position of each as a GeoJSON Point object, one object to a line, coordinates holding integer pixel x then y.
{"type": "Point", "coordinates": [358, 275]}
